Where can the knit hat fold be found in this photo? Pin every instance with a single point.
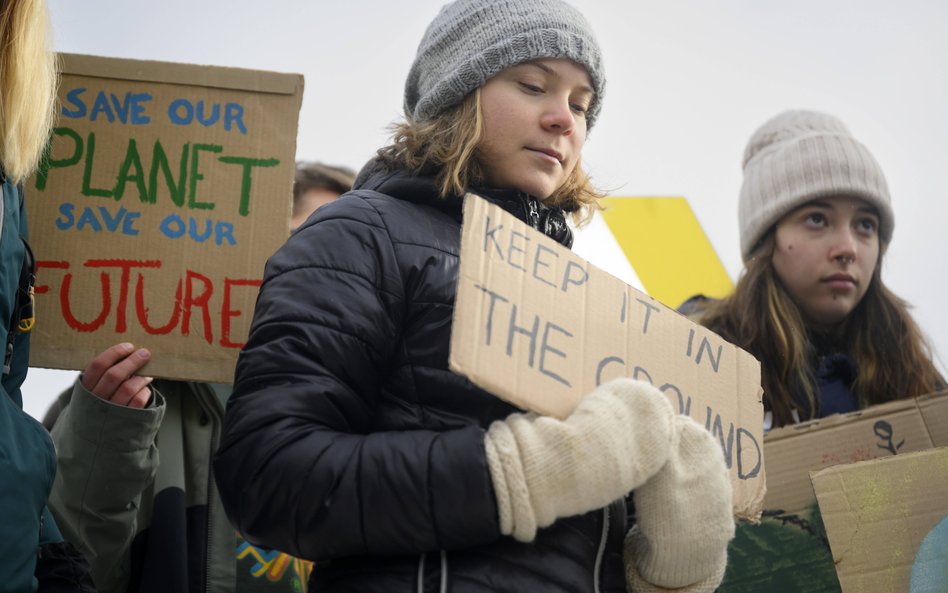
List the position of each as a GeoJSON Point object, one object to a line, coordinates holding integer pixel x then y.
{"type": "Point", "coordinates": [799, 156]}
{"type": "Point", "coordinates": [472, 40]}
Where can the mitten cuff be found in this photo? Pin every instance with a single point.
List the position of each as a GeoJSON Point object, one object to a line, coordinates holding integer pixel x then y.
{"type": "Point", "coordinates": [516, 514]}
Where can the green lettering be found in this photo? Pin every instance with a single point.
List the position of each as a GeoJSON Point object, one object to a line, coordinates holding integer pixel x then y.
{"type": "Point", "coordinates": [175, 188]}
{"type": "Point", "coordinates": [87, 189]}
{"type": "Point", "coordinates": [48, 162]}
{"type": "Point", "coordinates": [246, 178]}
{"type": "Point", "coordinates": [196, 175]}
{"type": "Point", "coordinates": [132, 159]}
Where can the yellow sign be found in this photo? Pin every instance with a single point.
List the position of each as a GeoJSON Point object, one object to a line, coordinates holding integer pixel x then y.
{"type": "Point", "coordinates": [667, 248]}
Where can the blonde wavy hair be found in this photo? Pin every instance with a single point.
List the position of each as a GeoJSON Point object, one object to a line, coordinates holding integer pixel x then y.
{"type": "Point", "coordinates": [447, 146]}
{"type": "Point", "coordinates": [28, 79]}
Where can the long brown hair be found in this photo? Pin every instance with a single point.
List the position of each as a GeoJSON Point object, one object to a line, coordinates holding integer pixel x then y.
{"type": "Point", "coordinates": [448, 145]}
{"type": "Point", "coordinates": [892, 357]}
{"type": "Point", "coordinates": [28, 81]}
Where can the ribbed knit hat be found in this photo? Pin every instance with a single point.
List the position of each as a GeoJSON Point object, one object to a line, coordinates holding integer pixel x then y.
{"type": "Point", "coordinates": [799, 156]}
{"type": "Point", "coordinates": [472, 40]}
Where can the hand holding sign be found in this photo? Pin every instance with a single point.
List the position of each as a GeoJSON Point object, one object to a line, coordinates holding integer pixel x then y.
{"type": "Point", "coordinates": [111, 376]}
{"type": "Point", "coordinates": [537, 325]}
{"type": "Point", "coordinates": [544, 468]}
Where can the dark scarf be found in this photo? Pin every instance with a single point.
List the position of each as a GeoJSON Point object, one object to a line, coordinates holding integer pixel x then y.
{"type": "Point", "coordinates": [421, 188]}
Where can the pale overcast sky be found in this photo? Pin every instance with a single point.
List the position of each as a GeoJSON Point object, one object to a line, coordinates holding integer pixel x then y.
{"type": "Point", "coordinates": [688, 82]}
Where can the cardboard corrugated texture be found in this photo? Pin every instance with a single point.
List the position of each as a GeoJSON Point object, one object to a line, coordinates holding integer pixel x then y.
{"type": "Point", "coordinates": [539, 326]}
{"type": "Point", "coordinates": [166, 189]}
{"type": "Point", "coordinates": [887, 522]}
{"type": "Point", "coordinates": [789, 551]}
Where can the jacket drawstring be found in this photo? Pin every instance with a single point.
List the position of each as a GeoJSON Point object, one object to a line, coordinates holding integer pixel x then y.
{"type": "Point", "coordinates": [443, 588]}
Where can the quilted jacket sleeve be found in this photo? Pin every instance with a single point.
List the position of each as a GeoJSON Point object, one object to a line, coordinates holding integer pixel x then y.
{"type": "Point", "coordinates": [299, 467]}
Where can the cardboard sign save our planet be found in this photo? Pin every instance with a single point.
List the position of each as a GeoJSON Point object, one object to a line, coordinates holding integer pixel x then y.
{"type": "Point", "coordinates": [166, 188]}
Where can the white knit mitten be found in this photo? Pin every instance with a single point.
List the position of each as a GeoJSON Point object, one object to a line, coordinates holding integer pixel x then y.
{"type": "Point", "coordinates": [544, 468]}
{"type": "Point", "coordinates": [684, 518]}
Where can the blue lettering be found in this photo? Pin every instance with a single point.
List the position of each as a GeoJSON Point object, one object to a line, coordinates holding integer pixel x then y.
{"type": "Point", "coordinates": [123, 220]}
{"type": "Point", "coordinates": [101, 105]}
{"type": "Point", "coordinates": [172, 226]}
{"type": "Point", "coordinates": [121, 108]}
{"type": "Point", "coordinates": [137, 109]}
{"type": "Point", "coordinates": [234, 113]}
{"type": "Point", "coordinates": [73, 97]}
{"type": "Point", "coordinates": [175, 107]}
{"type": "Point", "coordinates": [69, 219]}
{"type": "Point", "coordinates": [224, 230]}
{"type": "Point", "coordinates": [205, 120]}
{"type": "Point", "coordinates": [111, 223]}
{"type": "Point", "coordinates": [88, 218]}
{"type": "Point", "coordinates": [128, 109]}
{"type": "Point", "coordinates": [128, 227]}
{"type": "Point", "coordinates": [192, 230]}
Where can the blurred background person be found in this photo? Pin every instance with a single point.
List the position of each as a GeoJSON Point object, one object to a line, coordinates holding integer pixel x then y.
{"type": "Point", "coordinates": [317, 184]}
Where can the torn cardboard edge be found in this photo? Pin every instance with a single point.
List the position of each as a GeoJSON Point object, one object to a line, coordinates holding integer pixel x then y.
{"type": "Point", "coordinates": [221, 77]}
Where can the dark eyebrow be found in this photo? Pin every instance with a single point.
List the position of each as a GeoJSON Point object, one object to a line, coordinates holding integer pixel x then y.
{"type": "Point", "coordinates": [817, 203]}
{"type": "Point", "coordinates": [823, 205]}
{"type": "Point", "coordinates": [553, 72]}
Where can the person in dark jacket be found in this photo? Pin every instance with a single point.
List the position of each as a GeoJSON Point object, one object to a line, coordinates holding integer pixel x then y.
{"type": "Point", "coordinates": [815, 221]}
{"type": "Point", "coordinates": [348, 441]}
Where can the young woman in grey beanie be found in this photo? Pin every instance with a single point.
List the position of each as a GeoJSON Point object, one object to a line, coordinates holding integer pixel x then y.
{"type": "Point", "coordinates": [815, 221]}
{"type": "Point", "coordinates": [348, 440]}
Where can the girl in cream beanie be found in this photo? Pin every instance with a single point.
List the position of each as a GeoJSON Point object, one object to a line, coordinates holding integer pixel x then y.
{"type": "Point", "coordinates": [815, 219]}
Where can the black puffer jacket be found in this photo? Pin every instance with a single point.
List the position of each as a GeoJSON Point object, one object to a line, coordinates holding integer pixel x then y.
{"type": "Point", "coordinates": [347, 439]}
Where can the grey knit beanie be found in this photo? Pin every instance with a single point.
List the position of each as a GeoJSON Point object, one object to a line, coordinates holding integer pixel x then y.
{"type": "Point", "coordinates": [799, 156]}
{"type": "Point", "coordinates": [472, 40]}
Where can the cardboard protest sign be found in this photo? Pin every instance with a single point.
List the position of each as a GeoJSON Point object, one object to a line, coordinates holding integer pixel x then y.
{"type": "Point", "coordinates": [788, 551]}
{"type": "Point", "coordinates": [539, 326]}
{"type": "Point", "coordinates": [887, 522]}
{"type": "Point", "coordinates": [166, 188]}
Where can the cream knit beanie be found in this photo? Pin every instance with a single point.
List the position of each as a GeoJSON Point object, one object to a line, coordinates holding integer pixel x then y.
{"type": "Point", "coordinates": [472, 40]}
{"type": "Point", "coordinates": [799, 156]}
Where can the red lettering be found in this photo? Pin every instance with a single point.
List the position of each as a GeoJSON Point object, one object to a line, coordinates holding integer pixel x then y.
{"type": "Point", "coordinates": [202, 300]}
{"type": "Point", "coordinates": [192, 299]}
{"type": "Point", "coordinates": [227, 312]}
{"type": "Point", "coordinates": [71, 320]}
{"type": "Point", "coordinates": [142, 311]}
{"type": "Point", "coordinates": [126, 266]}
{"type": "Point", "coordinates": [40, 264]}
